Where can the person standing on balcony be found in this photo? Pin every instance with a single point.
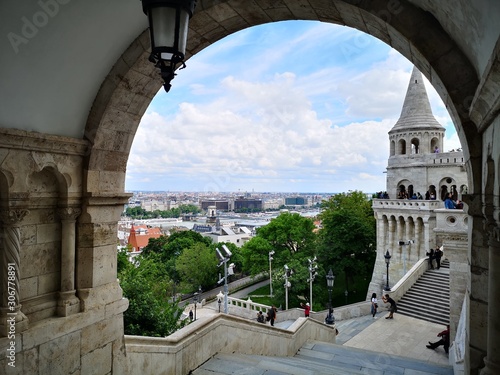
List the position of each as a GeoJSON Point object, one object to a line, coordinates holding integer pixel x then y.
{"type": "Point", "coordinates": [448, 202]}
{"type": "Point", "coordinates": [307, 309]}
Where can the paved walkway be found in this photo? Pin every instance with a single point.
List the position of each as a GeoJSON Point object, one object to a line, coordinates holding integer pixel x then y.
{"type": "Point", "coordinates": [402, 336]}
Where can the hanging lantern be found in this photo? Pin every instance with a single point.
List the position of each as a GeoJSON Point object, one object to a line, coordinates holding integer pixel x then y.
{"type": "Point", "coordinates": [168, 27]}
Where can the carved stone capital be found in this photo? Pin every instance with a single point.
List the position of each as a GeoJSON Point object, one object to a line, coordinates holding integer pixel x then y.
{"type": "Point", "coordinates": [69, 213]}
{"type": "Point", "coordinates": [13, 217]}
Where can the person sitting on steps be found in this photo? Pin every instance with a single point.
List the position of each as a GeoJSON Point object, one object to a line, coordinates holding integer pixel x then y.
{"type": "Point", "coordinates": [445, 340]}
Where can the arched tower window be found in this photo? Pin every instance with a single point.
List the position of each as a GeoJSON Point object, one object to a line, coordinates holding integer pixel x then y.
{"type": "Point", "coordinates": [431, 192]}
{"type": "Point", "coordinates": [410, 191]}
{"type": "Point", "coordinates": [444, 192]}
{"type": "Point", "coordinates": [401, 147]}
{"type": "Point", "coordinates": [393, 148]}
{"type": "Point", "coordinates": [402, 193]}
{"type": "Point", "coordinates": [435, 145]}
{"type": "Point", "coordinates": [415, 146]}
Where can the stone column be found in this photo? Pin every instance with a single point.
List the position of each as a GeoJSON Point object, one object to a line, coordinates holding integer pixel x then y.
{"type": "Point", "coordinates": [12, 319]}
{"type": "Point", "coordinates": [390, 244]}
{"type": "Point", "coordinates": [492, 360]}
{"type": "Point", "coordinates": [418, 239]}
{"type": "Point", "coordinates": [381, 232]}
{"type": "Point", "coordinates": [68, 303]}
{"type": "Point", "coordinates": [426, 235]}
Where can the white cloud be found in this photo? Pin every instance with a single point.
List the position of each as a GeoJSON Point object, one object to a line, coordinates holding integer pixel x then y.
{"type": "Point", "coordinates": [272, 127]}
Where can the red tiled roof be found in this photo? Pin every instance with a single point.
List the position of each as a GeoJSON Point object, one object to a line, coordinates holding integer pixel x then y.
{"type": "Point", "coordinates": [138, 241]}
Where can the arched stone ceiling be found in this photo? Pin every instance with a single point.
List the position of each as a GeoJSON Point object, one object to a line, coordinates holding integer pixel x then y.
{"type": "Point", "coordinates": [57, 53]}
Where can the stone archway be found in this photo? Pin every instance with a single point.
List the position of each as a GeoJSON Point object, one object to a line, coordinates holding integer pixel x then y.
{"type": "Point", "coordinates": [133, 82]}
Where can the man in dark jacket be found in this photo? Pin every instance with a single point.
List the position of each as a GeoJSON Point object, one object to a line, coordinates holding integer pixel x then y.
{"type": "Point", "coordinates": [445, 340]}
{"type": "Point", "coordinates": [437, 255]}
{"type": "Point", "coordinates": [430, 254]}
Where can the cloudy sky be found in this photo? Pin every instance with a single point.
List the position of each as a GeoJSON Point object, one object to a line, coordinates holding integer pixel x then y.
{"type": "Point", "coordinates": [292, 106]}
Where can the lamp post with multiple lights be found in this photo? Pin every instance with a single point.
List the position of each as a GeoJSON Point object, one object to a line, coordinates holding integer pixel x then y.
{"type": "Point", "coordinates": [271, 253]}
{"type": "Point", "coordinates": [223, 259]}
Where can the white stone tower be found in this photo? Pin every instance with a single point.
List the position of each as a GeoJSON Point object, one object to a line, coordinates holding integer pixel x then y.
{"type": "Point", "coordinates": [416, 165]}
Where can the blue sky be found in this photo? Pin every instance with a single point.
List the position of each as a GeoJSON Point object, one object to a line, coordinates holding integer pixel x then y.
{"type": "Point", "coordinates": [294, 106]}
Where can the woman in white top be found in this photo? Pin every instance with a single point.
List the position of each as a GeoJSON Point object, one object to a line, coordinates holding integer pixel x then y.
{"type": "Point", "coordinates": [374, 304]}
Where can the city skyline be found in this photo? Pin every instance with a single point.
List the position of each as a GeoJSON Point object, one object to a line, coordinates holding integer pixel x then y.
{"type": "Point", "coordinates": [293, 106]}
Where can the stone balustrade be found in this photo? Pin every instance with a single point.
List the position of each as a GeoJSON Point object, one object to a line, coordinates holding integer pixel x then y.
{"type": "Point", "coordinates": [407, 204]}
{"type": "Point", "coordinates": [188, 348]}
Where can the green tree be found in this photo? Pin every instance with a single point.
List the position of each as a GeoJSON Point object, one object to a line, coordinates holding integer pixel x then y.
{"type": "Point", "coordinates": [151, 312]}
{"type": "Point", "coordinates": [255, 254]}
{"type": "Point", "coordinates": [293, 240]}
{"type": "Point", "coordinates": [197, 266]}
{"type": "Point", "coordinates": [171, 247]}
{"type": "Point", "coordinates": [348, 235]}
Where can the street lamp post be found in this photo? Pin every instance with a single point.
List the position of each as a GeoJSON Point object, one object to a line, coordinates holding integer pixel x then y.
{"type": "Point", "coordinates": [220, 296]}
{"type": "Point", "coordinates": [195, 300]}
{"type": "Point", "coordinates": [330, 279]}
{"type": "Point", "coordinates": [223, 261]}
{"type": "Point", "coordinates": [287, 285]}
{"type": "Point", "coordinates": [271, 253]}
{"type": "Point", "coordinates": [387, 257]}
{"type": "Point", "coordinates": [312, 274]}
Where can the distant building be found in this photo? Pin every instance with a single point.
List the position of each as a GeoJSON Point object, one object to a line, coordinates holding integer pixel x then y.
{"type": "Point", "coordinates": [247, 203]}
{"type": "Point", "coordinates": [236, 235]}
{"type": "Point", "coordinates": [220, 205]}
{"type": "Point", "coordinates": [139, 237]}
{"type": "Point", "coordinates": [295, 201]}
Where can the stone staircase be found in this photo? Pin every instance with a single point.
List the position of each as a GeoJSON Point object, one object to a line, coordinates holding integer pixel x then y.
{"type": "Point", "coordinates": [429, 297]}
{"type": "Point", "coordinates": [319, 358]}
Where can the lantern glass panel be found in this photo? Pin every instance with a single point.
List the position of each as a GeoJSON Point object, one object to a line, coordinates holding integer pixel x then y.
{"type": "Point", "coordinates": [163, 24]}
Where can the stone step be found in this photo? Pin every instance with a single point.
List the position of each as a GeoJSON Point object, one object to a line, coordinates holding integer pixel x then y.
{"type": "Point", "coordinates": [319, 358]}
{"type": "Point", "coordinates": [423, 295]}
{"type": "Point", "coordinates": [429, 298]}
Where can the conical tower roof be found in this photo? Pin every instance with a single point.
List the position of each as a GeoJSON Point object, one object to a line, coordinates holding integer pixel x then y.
{"type": "Point", "coordinates": [416, 113]}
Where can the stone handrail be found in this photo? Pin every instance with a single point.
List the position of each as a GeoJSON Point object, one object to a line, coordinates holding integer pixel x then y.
{"type": "Point", "coordinates": [248, 309]}
{"type": "Point", "coordinates": [191, 346]}
{"type": "Point", "coordinates": [406, 282]}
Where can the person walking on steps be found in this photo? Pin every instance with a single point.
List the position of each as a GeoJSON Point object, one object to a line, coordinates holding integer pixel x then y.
{"type": "Point", "coordinates": [374, 306]}
{"type": "Point", "coordinates": [438, 253]}
{"type": "Point", "coordinates": [430, 254]}
{"type": "Point", "coordinates": [307, 309]}
{"type": "Point", "coordinates": [445, 340]}
{"type": "Point", "coordinates": [387, 299]}
{"type": "Point", "coordinates": [271, 315]}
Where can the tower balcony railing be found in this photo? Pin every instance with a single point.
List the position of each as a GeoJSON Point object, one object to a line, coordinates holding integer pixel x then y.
{"type": "Point", "coordinates": [406, 204]}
